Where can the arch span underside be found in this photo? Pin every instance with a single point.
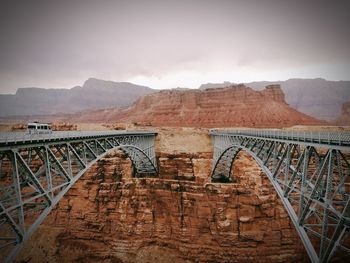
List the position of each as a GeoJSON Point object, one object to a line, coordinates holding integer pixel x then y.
{"type": "Point", "coordinates": [35, 178]}
{"type": "Point", "coordinates": [312, 182]}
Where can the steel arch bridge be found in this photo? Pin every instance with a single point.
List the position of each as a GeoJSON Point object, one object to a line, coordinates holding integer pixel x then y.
{"type": "Point", "coordinates": [37, 170]}
{"type": "Point", "coordinates": [310, 172]}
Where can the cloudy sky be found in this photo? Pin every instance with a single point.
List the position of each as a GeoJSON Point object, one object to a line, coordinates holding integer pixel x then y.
{"type": "Point", "coordinates": [167, 44]}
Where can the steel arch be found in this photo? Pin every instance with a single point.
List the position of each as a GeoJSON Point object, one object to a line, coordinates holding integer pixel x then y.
{"type": "Point", "coordinates": [311, 178]}
{"type": "Point", "coordinates": [43, 170]}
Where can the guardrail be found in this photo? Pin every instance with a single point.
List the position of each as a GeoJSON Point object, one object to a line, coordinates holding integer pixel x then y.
{"type": "Point", "coordinates": [22, 137]}
{"type": "Point", "coordinates": [332, 138]}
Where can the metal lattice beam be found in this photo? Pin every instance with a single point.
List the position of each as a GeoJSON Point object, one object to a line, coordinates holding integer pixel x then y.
{"type": "Point", "coordinates": [37, 170]}
{"type": "Point", "coordinates": [310, 172]}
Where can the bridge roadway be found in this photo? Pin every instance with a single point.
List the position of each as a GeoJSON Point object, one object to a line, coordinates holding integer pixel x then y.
{"type": "Point", "coordinates": [310, 172]}
{"type": "Point", "coordinates": [15, 138]}
{"type": "Point", "coordinates": [36, 170]}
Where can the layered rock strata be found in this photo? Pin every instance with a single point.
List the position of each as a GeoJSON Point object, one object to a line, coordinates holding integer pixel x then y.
{"type": "Point", "coordinates": [109, 217]}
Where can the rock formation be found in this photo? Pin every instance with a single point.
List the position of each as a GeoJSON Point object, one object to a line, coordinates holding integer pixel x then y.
{"type": "Point", "coordinates": [107, 219]}
{"type": "Point", "coordinates": [221, 107]}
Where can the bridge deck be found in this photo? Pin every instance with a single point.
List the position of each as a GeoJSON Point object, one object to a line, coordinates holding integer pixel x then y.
{"type": "Point", "coordinates": [16, 138]}
{"type": "Point", "coordinates": [333, 140]}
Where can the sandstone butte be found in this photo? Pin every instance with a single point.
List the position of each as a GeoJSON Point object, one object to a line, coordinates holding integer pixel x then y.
{"type": "Point", "coordinates": [236, 105]}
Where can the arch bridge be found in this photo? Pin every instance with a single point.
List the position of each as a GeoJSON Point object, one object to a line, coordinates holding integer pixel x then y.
{"type": "Point", "coordinates": [37, 170]}
{"type": "Point", "coordinates": [310, 172]}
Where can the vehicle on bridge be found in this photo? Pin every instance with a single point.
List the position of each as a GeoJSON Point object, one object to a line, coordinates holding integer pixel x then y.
{"type": "Point", "coordinates": [38, 128]}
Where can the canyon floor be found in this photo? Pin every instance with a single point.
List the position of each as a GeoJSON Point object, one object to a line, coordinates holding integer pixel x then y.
{"type": "Point", "coordinates": [108, 216]}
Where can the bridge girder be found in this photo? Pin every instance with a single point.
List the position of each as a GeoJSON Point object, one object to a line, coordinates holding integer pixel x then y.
{"type": "Point", "coordinates": [310, 175]}
{"type": "Point", "coordinates": [35, 175]}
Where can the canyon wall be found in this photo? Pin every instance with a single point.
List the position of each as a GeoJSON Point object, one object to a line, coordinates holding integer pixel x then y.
{"type": "Point", "coordinates": [180, 217]}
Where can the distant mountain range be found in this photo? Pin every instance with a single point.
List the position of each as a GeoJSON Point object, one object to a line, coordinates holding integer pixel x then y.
{"type": "Point", "coordinates": [319, 98]}
{"type": "Point", "coordinates": [94, 94]}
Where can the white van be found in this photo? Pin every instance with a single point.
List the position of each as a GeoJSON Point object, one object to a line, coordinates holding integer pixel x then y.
{"type": "Point", "coordinates": [38, 128]}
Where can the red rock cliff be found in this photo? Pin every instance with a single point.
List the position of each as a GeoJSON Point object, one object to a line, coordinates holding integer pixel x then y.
{"type": "Point", "coordinates": [221, 107]}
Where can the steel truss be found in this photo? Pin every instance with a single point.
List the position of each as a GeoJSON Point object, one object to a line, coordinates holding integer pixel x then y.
{"type": "Point", "coordinates": [36, 173]}
{"type": "Point", "coordinates": [309, 173]}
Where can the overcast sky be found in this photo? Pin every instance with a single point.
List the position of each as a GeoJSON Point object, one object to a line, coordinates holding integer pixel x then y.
{"type": "Point", "coordinates": [167, 44]}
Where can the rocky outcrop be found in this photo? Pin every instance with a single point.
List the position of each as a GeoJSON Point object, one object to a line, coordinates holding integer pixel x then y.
{"type": "Point", "coordinates": [221, 107]}
{"type": "Point", "coordinates": [184, 154]}
{"type": "Point", "coordinates": [109, 220]}
{"type": "Point", "coordinates": [344, 119]}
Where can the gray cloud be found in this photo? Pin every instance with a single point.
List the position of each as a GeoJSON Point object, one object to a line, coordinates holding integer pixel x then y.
{"type": "Point", "coordinates": [61, 43]}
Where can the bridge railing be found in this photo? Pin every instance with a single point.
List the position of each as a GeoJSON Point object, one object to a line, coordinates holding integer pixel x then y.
{"type": "Point", "coordinates": [16, 137]}
{"type": "Point", "coordinates": [341, 138]}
